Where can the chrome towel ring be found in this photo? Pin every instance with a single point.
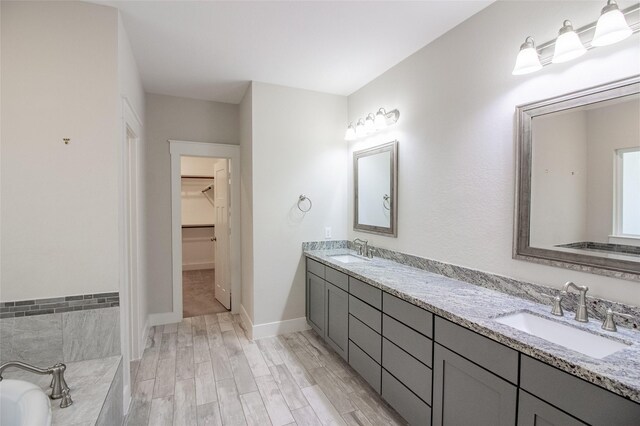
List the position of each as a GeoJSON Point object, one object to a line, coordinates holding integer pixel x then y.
{"type": "Point", "coordinates": [386, 202]}
{"type": "Point", "coordinates": [301, 200]}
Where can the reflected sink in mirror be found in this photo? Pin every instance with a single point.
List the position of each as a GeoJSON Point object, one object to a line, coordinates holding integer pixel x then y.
{"type": "Point", "coordinates": [348, 258]}
{"type": "Point", "coordinates": [573, 338]}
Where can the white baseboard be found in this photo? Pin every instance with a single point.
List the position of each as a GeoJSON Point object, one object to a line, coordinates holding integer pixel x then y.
{"type": "Point", "coordinates": [143, 338]}
{"type": "Point", "coordinates": [164, 318]}
{"type": "Point", "coordinates": [276, 328]}
{"type": "Point", "coordinates": [246, 322]}
{"type": "Point", "coordinates": [198, 266]}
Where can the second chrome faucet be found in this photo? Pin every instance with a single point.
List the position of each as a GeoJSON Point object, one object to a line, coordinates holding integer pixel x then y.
{"type": "Point", "coordinates": [581, 311]}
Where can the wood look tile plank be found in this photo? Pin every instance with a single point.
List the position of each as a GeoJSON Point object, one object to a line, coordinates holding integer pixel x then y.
{"type": "Point", "coordinates": [184, 363]}
{"type": "Point", "coordinates": [184, 403]}
{"type": "Point", "coordinates": [286, 383]}
{"type": "Point", "coordinates": [225, 321]}
{"type": "Point", "coordinates": [256, 360]}
{"type": "Point", "coordinates": [356, 418]}
{"type": "Point", "coordinates": [277, 407]}
{"type": "Point", "coordinates": [254, 409]}
{"type": "Point", "coordinates": [305, 416]}
{"type": "Point", "coordinates": [242, 374]}
{"type": "Point", "coordinates": [170, 328]}
{"type": "Point", "coordinates": [332, 389]}
{"type": "Point", "coordinates": [231, 343]}
{"type": "Point", "coordinates": [168, 345]}
{"type": "Point", "coordinates": [230, 405]}
{"type": "Point", "coordinates": [205, 384]}
{"type": "Point", "coordinates": [161, 413]}
{"type": "Point", "coordinates": [201, 349]}
{"type": "Point", "coordinates": [221, 364]}
{"type": "Point", "coordinates": [141, 403]}
{"type": "Point", "coordinates": [373, 408]}
{"type": "Point", "coordinates": [269, 352]}
{"type": "Point", "coordinates": [199, 326]}
{"type": "Point", "coordinates": [323, 408]}
{"type": "Point", "coordinates": [185, 333]}
{"type": "Point", "coordinates": [148, 364]}
{"type": "Point", "coordinates": [209, 414]}
{"type": "Point", "coordinates": [165, 378]}
{"type": "Point", "coordinates": [241, 333]}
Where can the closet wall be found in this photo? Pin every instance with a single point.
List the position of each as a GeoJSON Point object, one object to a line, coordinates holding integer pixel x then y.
{"type": "Point", "coordinates": [198, 215]}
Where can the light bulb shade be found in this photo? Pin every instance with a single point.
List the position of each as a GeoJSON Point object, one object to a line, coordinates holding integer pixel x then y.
{"type": "Point", "coordinates": [350, 134]}
{"type": "Point", "coordinates": [528, 60]}
{"type": "Point", "coordinates": [369, 126]}
{"type": "Point", "coordinates": [360, 130]}
{"type": "Point", "coordinates": [381, 120]}
{"type": "Point", "coordinates": [568, 45]}
{"type": "Point", "coordinates": [612, 27]}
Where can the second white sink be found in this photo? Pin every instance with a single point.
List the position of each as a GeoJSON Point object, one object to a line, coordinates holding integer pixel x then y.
{"type": "Point", "coordinates": [572, 338]}
{"type": "Point", "coordinates": [348, 258]}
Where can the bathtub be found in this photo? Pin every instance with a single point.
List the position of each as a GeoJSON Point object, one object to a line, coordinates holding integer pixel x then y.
{"type": "Point", "coordinates": [23, 404]}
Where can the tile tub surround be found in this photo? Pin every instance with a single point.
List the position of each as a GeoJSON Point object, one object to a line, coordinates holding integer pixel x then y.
{"type": "Point", "coordinates": [61, 337]}
{"type": "Point", "coordinates": [475, 307]}
{"type": "Point", "coordinates": [21, 308]}
{"type": "Point", "coordinates": [94, 392]}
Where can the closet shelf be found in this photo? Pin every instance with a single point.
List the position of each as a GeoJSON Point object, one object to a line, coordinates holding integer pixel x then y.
{"type": "Point", "coordinates": [199, 226]}
{"type": "Point", "coordinates": [196, 177]}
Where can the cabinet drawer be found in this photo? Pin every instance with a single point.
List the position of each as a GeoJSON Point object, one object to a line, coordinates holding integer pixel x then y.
{"type": "Point", "coordinates": [365, 313]}
{"type": "Point", "coordinates": [366, 338]}
{"type": "Point", "coordinates": [535, 412]}
{"type": "Point", "coordinates": [315, 268]}
{"type": "Point", "coordinates": [366, 292]}
{"type": "Point", "coordinates": [337, 278]}
{"type": "Point", "coordinates": [491, 355]}
{"type": "Point", "coordinates": [409, 340]}
{"type": "Point", "coordinates": [411, 315]}
{"type": "Point", "coordinates": [365, 366]}
{"type": "Point", "coordinates": [586, 401]}
{"type": "Point", "coordinates": [415, 411]}
{"type": "Point", "coordinates": [408, 370]}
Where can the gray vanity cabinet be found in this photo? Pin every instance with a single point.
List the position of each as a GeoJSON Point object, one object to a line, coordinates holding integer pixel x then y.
{"type": "Point", "coordinates": [535, 412]}
{"type": "Point", "coordinates": [337, 319]}
{"type": "Point", "coordinates": [315, 303]}
{"type": "Point", "coordinates": [467, 394]}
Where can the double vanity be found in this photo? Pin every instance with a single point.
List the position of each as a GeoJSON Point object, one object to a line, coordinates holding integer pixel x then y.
{"type": "Point", "coordinates": [445, 352]}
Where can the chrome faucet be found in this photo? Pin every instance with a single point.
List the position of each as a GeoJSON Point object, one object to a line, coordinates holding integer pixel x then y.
{"type": "Point", "coordinates": [59, 388]}
{"type": "Point", "coordinates": [581, 310]}
{"type": "Point", "coordinates": [362, 246]}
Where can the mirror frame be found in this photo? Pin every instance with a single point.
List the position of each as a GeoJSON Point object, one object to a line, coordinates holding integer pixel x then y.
{"type": "Point", "coordinates": [392, 230]}
{"type": "Point", "coordinates": [622, 269]}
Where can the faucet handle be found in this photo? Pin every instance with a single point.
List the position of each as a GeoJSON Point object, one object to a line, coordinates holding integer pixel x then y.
{"type": "Point", "coordinates": [557, 304]}
{"type": "Point", "coordinates": [609, 323]}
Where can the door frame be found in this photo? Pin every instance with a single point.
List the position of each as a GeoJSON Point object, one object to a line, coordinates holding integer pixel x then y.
{"type": "Point", "coordinates": [177, 149]}
{"type": "Point", "coordinates": [128, 207]}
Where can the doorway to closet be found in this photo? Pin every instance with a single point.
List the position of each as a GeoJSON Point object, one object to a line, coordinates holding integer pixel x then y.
{"type": "Point", "coordinates": [205, 202]}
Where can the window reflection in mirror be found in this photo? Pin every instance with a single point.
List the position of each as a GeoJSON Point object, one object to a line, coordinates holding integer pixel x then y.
{"type": "Point", "coordinates": [375, 195]}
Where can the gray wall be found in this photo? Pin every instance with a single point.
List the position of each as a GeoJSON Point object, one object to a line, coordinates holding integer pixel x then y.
{"type": "Point", "coordinates": [457, 99]}
{"type": "Point", "coordinates": [169, 117]}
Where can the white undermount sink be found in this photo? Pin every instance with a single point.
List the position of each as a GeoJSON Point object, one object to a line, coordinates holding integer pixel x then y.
{"type": "Point", "coordinates": [572, 338]}
{"type": "Point", "coordinates": [348, 258]}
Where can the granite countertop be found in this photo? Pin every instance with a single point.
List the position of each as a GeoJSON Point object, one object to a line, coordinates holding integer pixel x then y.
{"type": "Point", "coordinates": [476, 308]}
{"type": "Point", "coordinates": [89, 382]}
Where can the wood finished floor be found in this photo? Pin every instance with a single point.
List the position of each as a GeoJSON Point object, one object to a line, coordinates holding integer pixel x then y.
{"type": "Point", "coordinates": [204, 371]}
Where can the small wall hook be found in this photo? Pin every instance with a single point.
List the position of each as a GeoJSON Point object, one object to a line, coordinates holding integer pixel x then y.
{"type": "Point", "coordinates": [66, 141]}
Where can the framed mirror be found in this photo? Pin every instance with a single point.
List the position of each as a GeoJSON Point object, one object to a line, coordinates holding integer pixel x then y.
{"type": "Point", "coordinates": [375, 172]}
{"type": "Point", "coordinates": [578, 180]}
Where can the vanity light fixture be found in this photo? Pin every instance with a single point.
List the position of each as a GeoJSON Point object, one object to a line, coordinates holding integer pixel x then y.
{"type": "Point", "coordinates": [610, 28]}
{"type": "Point", "coordinates": [371, 124]}
{"type": "Point", "coordinates": [369, 127]}
{"type": "Point", "coordinates": [360, 129]}
{"type": "Point", "coordinates": [350, 134]}
{"type": "Point", "coordinates": [568, 44]}
{"type": "Point", "coordinates": [528, 59]}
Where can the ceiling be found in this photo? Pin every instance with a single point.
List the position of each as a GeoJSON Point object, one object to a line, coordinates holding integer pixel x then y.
{"type": "Point", "coordinates": [211, 50]}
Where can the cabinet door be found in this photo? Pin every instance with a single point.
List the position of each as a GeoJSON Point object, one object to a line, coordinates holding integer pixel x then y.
{"type": "Point", "coordinates": [466, 394]}
{"type": "Point", "coordinates": [337, 319]}
{"type": "Point", "coordinates": [535, 412]}
{"type": "Point", "coordinates": [315, 303]}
